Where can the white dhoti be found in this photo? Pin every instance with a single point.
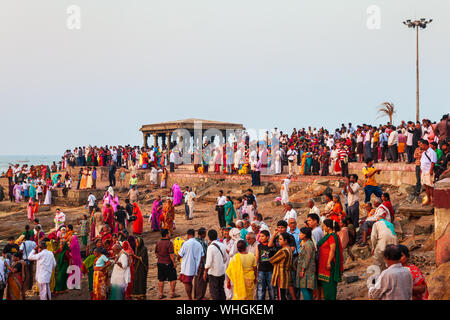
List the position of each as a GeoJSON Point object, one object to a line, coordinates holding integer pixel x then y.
{"type": "Point", "coordinates": [277, 167]}
{"type": "Point", "coordinates": [44, 291]}
{"type": "Point", "coordinates": [191, 210]}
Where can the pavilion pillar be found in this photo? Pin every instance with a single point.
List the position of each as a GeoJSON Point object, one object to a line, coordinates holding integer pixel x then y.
{"type": "Point", "coordinates": [145, 136]}
{"type": "Point", "coordinates": [155, 139]}
{"type": "Point", "coordinates": [169, 143]}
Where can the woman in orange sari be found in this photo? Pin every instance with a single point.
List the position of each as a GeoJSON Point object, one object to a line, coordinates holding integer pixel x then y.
{"type": "Point", "coordinates": [168, 216]}
{"type": "Point", "coordinates": [338, 212]}
{"type": "Point", "coordinates": [138, 224]}
{"type": "Point", "coordinates": [303, 161]}
{"type": "Point", "coordinates": [15, 289]}
{"type": "Point", "coordinates": [83, 181]}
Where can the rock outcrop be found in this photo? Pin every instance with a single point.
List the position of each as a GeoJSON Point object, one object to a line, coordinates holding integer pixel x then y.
{"type": "Point", "coordinates": [439, 283]}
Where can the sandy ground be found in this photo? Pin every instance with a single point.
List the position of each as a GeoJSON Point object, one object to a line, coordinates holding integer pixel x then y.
{"type": "Point", "coordinates": [204, 216]}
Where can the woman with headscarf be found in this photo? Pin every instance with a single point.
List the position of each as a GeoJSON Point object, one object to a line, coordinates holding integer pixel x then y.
{"type": "Point", "coordinates": [138, 224]}
{"type": "Point", "coordinates": [156, 213]}
{"type": "Point", "coordinates": [111, 198]}
{"type": "Point", "coordinates": [177, 195]}
{"type": "Point", "coordinates": [30, 210]}
{"type": "Point", "coordinates": [18, 192]}
{"type": "Point", "coordinates": [88, 268]}
{"type": "Point", "coordinates": [75, 252]}
{"type": "Point", "coordinates": [130, 253]}
{"type": "Point", "coordinates": [16, 276]}
{"type": "Point", "coordinates": [108, 216]}
{"type": "Point", "coordinates": [62, 263]}
{"type": "Point", "coordinates": [168, 216]}
{"type": "Point", "coordinates": [140, 270]}
{"type": "Point", "coordinates": [330, 266]}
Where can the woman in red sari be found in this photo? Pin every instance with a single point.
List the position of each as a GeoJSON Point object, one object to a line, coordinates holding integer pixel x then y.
{"type": "Point", "coordinates": [387, 203]}
{"type": "Point", "coordinates": [330, 266]}
{"type": "Point", "coordinates": [127, 248]}
{"type": "Point", "coordinates": [108, 216]}
{"type": "Point", "coordinates": [420, 288]}
{"type": "Point", "coordinates": [138, 224]}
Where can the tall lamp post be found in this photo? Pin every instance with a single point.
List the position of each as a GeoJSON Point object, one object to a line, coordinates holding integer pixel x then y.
{"type": "Point", "coordinates": [417, 24]}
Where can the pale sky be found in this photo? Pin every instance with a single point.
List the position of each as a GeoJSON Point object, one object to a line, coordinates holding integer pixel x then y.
{"type": "Point", "coordinates": [263, 63]}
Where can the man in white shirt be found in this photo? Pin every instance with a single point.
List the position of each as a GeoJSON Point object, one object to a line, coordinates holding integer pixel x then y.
{"type": "Point", "coordinates": [216, 258]}
{"type": "Point", "coordinates": [393, 144]}
{"type": "Point", "coordinates": [290, 212]}
{"type": "Point", "coordinates": [312, 207]}
{"type": "Point", "coordinates": [221, 201]}
{"type": "Point", "coordinates": [427, 163]}
{"type": "Point", "coordinates": [45, 264]}
{"type": "Point", "coordinates": [394, 283]}
{"type": "Point", "coordinates": [191, 253]}
{"type": "Point", "coordinates": [352, 190]}
{"type": "Point", "coordinates": [252, 242]}
{"type": "Point", "coordinates": [292, 160]}
{"type": "Point", "coordinates": [381, 236]}
{"type": "Point", "coordinates": [91, 202]}
{"type": "Point", "coordinates": [172, 161]}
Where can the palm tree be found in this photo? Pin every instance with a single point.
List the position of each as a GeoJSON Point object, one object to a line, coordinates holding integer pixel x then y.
{"type": "Point", "coordinates": [386, 109]}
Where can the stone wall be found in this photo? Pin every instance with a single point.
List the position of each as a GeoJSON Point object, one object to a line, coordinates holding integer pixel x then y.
{"type": "Point", "coordinates": [394, 174]}
{"type": "Point", "coordinates": [442, 221]}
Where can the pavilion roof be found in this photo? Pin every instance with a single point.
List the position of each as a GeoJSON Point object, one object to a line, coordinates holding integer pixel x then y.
{"type": "Point", "coordinates": [189, 124]}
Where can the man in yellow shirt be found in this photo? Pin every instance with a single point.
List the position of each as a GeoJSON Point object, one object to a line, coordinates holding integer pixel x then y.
{"type": "Point", "coordinates": [370, 185]}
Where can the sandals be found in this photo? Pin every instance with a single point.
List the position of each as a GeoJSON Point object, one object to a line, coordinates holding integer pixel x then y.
{"type": "Point", "coordinates": [175, 296]}
{"type": "Point", "coordinates": [162, 297]}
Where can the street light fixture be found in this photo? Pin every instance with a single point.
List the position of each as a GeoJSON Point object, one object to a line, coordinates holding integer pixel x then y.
{"type": "Point", "coordinates": [417, 24]}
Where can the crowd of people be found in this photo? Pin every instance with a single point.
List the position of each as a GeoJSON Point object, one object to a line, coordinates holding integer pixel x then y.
{"type": "Point", "coordinates": [34, 185]}
{"type": "Point", "coordinates": [321, 152]}
{"type": "Point", "coordinates": [245, 260]}
{"type": "Point", "coordinates": [242, 259]}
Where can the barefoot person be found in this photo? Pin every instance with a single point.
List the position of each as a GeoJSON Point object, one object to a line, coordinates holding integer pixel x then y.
{"type": "Point", "coordinates": [191, 253]}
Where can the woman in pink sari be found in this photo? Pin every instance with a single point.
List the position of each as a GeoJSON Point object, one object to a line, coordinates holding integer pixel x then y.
{"type": "Point", "coordinates": [75, 252]}
{"type": "Point", "coordinates": [156, 213]}
{"type": "Point", "coordinates": [177, 195]}
{"type": "Point", "coordinates": [30, 210]}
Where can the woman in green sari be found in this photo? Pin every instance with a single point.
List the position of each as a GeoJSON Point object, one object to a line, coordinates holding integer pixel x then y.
{"type": "Point", "coordinates": [230, 212]}
{"type": "Point", "coordinates": [330, 260]}
{"type": "Point", "coordinates": [88, 268]}
{"type": "Point", "coordinates": [62, 263]}
{"type": "Point", "coordinates": [140, 270]}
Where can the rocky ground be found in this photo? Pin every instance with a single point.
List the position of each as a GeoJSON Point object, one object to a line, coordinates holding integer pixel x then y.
{"type": "Point", "coordinates": [414, 226]}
